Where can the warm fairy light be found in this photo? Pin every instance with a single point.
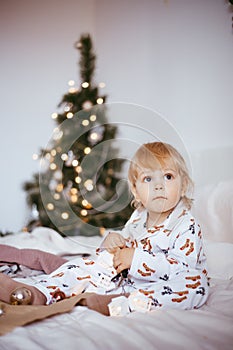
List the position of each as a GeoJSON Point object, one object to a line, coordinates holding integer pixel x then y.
{"type": "Point", "coordinates": [75, 162]}
{"type": "Point", "coordinates": [50, 206]}
{"type": "Point", "coordinates": [48, 156]}
{"type": "Point", "coordinates": [67, 108]}
{"type": "Point", "coordinates": [53, 152]}
{"type": "Point", "coordinates": [93, 118]}
{"type": "Point", "coordinates": [64, 156]}
{"type": "Point", "coordinates": [57, 134]}
{"type": "Point", "coordinates": [102, 85]}
{"type": "Point", "coordinates": [94, 136]}
{"type": "Point", "coordinates": [78, 169]}
{"type": "Point", "coordinates": [59, 188]}
{"type": "Point", "coordinates": [73, 190]}
{"type": "Point", "coordinates": [89, 184]}
{"type": "Point", "coordinates": [74, 198]}
{"type": "Point", "coordinates": [56, 196]}
{"type": "Point", "coordinates": [54, 115]}
{"type": "Point", "coordinates": [87, 105]}
{"type": "Point", "coordinates": [65, 215]}
{"type": "Point", "coordinates": [53, 166]}
{"type": "Point", "coordinates": [86, 204]}
{"type": "Point", "coordinates": [102, 231]}
{"type": "Point", "coordinates": [69, 115]}
{"type": "Point", "coordinates": [100, 101]}
{"type": "Point", "coordinates": [85, 85]}
{"type": "Point", "coordinates": [59, 149]}
{"type": "Point", "coordinates": [71, 82]}
{"type": "Point", "coordinates": [72, 90]}
{"type": "Point", "coordinates": [87, 150]}
{"type": "Point", "coordinates": [83, 212]}
{"type": "Point", "coordinates": [85, 122]}
{"type": "Point", "coordinates": [78, 179]}
{"type": "Point", "coordinates": [35, 156]}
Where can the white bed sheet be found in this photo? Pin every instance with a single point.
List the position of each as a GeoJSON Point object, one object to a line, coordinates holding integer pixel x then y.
{"type": "Point", "coordinates": [210, 327]}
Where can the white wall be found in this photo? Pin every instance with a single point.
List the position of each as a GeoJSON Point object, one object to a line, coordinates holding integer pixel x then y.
{"type": "Point", "coordinates": [172, 56]}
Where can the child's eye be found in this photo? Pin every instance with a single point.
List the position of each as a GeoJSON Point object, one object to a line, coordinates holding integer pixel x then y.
{"type": "Point", "coordinates": [168, 176]}
{"type": "Point", "coordinates": [147, 179]}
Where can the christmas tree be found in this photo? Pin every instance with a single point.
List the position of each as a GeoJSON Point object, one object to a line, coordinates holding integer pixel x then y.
{"type": "Point", "coordinates": [79, 189]}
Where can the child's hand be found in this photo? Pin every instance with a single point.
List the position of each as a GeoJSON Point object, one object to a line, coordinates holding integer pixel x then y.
{"type": "Point", "coordinates": [123, 258]}
{"type": "Point", "coordinates": [113, 241]}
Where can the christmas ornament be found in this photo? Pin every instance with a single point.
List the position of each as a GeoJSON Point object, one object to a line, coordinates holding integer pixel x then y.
{"type": "Point", "coordinates": [21, 296]}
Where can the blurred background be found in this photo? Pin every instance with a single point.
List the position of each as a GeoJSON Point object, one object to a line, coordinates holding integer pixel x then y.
{"type": "Point", "coordinates": [169, 56]}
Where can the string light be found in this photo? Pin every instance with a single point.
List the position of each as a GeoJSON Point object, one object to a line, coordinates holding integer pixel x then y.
{"type": "Point", "coordinates": [78, 169]}
{"type": "Point", "coordinates": [83, 212]}
{"type": "Point", "coordinates": [50, 206]}
{"type": "Point", "coordinates": [86, 204]}
{"type": "Point", "coordinates": [94, 136]}
{"type": "Point", "coordinates": [102, 85]}
{"type": "Point", "coordinates": [54, 115]}
{"type": "Point", "coordinates": [87, 105]}
{"type": "Point", "coordinates": [53, 152]}
{"type": "Point", "coordinates": [72, 90]}
{"type": "Point", "coordinates": [89, 185]}
{"type": "Point", "coordinates": [69, 115]}
{"type": "Point", "coordinates": [85, 122]}
{"type": "Point", "coordinates": [102, 231]}
{"type": "Point", "coordinates": [57, 134]}
{"type": "Point", "coordinates": [71, 82]}
{"type": "Point", "coordinates": [59, 188]}
{"type": "Point", "coordinates": [75, 162]}
{"type": "Point", "coordinates": [73, 190]}
{"type": "Point", "coordinates": [87, 150]}
{"type": "Point", "coordinates": [67, 108]}
{"type": "Point", "coordinates": [85, 85]}
{"type": "Point", "coordinates": [35, 156]}
{"type": "Point", "coordinates": [99, 101]}
{"type": "Point", "coordinates": [48, 156]}
{"type": "Point", "coordinates": [78, 179]}
{"type": "Point", "coordinates": [93, 118]}
{"type": "Point", "coordinates": [65, 215]}
{"type": "Point", "coordinates": [64, 156]}
{"type": "Point", "coordinates": [56, 196]}
{"type": "Point", "coordinates": [74, 198]}
{"type": "Point", "coordinates": [53, 166]}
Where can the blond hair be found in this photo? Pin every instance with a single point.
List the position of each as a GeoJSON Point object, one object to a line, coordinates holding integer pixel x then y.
{"type": "Point", "coordinates": [149, 155]}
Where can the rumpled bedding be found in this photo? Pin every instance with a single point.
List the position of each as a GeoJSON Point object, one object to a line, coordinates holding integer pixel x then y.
{"type": "Point", "coordinates": [210, 327]}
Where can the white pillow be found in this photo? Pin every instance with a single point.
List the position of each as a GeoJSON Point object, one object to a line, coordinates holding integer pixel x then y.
{"type": "Point", "coordinates": [219, 259]}
{"type": "Point", "coordinates": [213, 207]}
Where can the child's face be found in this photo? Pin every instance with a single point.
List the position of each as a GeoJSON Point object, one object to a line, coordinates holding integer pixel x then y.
{"type": "Point", "coordinates": [159, 189]}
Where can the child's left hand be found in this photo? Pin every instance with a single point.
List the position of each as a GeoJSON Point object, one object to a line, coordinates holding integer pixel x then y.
{"type": "Point", "coordinates": [122, 259]}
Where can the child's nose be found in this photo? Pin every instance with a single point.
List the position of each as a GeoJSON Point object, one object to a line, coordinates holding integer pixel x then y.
{"type": "Point", "coordinates": [158, 186]}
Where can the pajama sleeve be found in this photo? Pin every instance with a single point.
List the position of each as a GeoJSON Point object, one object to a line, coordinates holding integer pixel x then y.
{"type": "Point", "coordinates": [184, 252]}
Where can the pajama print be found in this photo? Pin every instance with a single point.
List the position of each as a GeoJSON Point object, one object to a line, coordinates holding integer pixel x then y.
{"type": "Point", "coordinates": [168, 266]}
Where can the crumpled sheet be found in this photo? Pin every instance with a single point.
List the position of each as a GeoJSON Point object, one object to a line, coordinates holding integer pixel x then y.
{"type": "Point", "coordinates": [210, 327]}
{"type": "Point", "coordinates": [207, 328]}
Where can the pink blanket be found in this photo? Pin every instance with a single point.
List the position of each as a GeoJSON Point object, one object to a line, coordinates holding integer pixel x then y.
{"type": "Point", "coordinates": [32, 258]}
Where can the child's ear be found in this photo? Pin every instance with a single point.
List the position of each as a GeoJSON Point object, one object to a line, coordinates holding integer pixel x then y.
{"type": "Point", "coordinates": [134, 191]}
{"type": "Point", "coordinates": [184, 186]}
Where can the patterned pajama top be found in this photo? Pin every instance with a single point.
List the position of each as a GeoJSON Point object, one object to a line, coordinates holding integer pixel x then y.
{"type": "Point", "coordinates": [168, 266]}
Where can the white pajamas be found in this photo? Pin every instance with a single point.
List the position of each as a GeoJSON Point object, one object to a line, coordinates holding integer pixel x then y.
{"type": "Point", "coordinates": [168, 266]}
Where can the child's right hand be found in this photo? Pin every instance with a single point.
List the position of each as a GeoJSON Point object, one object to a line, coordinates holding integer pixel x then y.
{"type": "Point", "coordinates": [112, 241]}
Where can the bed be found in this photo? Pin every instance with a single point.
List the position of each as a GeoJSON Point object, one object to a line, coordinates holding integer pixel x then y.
{"type": "Point", "coordinates": [210, 327]}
